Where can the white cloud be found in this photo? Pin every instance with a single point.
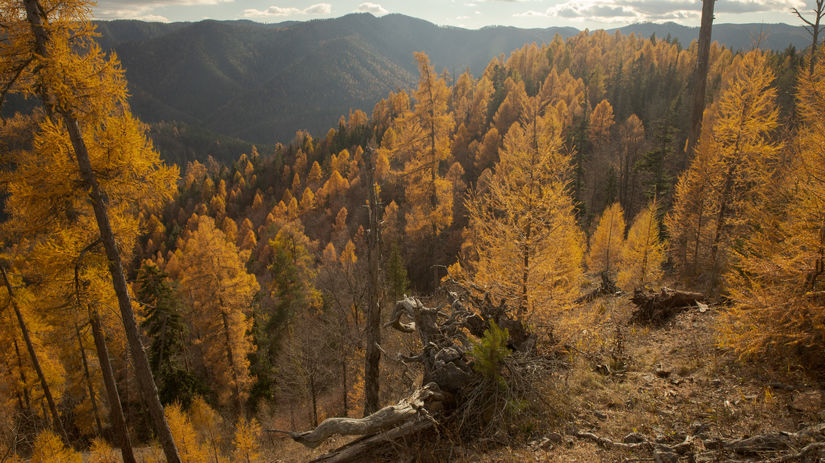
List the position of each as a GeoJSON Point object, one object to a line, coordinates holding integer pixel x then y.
{"type": "Point", "coordinates": [374, 8]}
{"type": "Point", "coordinates": [627, 11]}
{"type": "Point", "coordinates": [142, 9]}
{"type": "Point", "coordinates": [276, 11]}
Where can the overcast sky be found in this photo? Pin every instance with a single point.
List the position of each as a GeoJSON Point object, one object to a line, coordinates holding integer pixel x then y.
{"type": "Point", "coordinates": [472, 14]}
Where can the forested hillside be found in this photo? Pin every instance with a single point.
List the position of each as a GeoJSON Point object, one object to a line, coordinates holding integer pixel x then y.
{"type": "Point", "coordinates": [520, 206]}
{"type": "Point", "coordinates": [262, 82]}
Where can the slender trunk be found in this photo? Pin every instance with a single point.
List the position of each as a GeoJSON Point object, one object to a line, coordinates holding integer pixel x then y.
{"type": "Point", "coordinates": [33, 356]}
{"type": "Point", "coordinates": [115, 410]}
{"type": "Point", "coordinates": [700, 78]}
{"type": "Point", "coordinates": [344, 386]}
{"type": "Point", "coordinates": [23, 379]}
{"type": "Point", "coordinates": [373, 354]}
{"type": "Point", "coordinates": [698, 237]}
{"type": "Point", "coordinates": [313, 394]}
{"type": "Point", "coordinates": [88, 377]}
{"type": "Point", "coordinates": [231, 359]}
{"type": "Point", "coordinates": [142, 371]}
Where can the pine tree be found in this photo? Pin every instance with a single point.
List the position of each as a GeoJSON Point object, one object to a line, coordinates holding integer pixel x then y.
{"type": "Point", "coordinates": [166, 329]}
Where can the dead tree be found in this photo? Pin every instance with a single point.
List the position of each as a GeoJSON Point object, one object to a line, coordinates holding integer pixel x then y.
{"type": "Point", "coordinates": [813, 28]}
{"type": "Point", "coordinates": [700, 76]}
{"type": "Point", "coordinates": [448, 373]}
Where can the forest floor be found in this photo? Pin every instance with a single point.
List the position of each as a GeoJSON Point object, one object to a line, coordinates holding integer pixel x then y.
{"type": "Point", "coordinates": [664, 382]}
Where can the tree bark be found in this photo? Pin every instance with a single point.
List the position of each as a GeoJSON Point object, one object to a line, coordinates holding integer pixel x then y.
{"type": "Point", "coordinates": [700, 77]}
{"type": "Point", "coordinates": [34, 12]}
{"type": "Point", "coordinates": [373, 354]}
{"type": "Point", "coordinates": [33, 356]}
{"type": "Point", "coordinates": [231, 360]}
{"type": "Point", "coordinates": [115, 409]}
{"type": "Point", "coordinates": [88, 377]}
{"type": "Point", "coordinates": [819, 12]}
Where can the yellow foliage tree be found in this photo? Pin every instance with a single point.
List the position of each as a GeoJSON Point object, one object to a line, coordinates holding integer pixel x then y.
{"type": "Point", "coordinates": [186, 438]}
{"type": "Point", "coordinates": [776, 282]}
{"type": "Point", "coordinates": [523, 241]}
{"type": "Point", "coordinates": [102, 452]}
{"type": "Point", "coordinates": [736, 153]}
{"type": "Point", "coordinates": [643, 253]}
{"type": "Point", "coordinates": [247, 441]}
{"type": "Point", "coordinates": [49, 448]}
{"type": "Point", "coordinates": [606, 242]}
{"type": "Point", "coordinates": [220, 291]}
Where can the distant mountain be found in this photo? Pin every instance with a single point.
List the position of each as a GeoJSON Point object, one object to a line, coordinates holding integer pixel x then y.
{"type": "Point", "coordinates": [262, 82]}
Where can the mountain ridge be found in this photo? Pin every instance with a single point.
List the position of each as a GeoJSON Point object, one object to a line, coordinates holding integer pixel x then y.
{"type": "Point", "coordinates": [262, 82]}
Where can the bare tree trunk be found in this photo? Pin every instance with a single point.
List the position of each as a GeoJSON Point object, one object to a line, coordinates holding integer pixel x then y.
{"type": "Point", "coordinates": [88, 377]}
{"type": "Point", "coordinates": [373, 354]}
{"type": "Point", "coordinates": [115, 409]}
{"type": "Point", "coordinates": [700, 78]}
{"type": "Point", "coordinates": [33, 356]}
{"type": "Point", "coordinates": [813, 29]}
{"type": "Point", "coordinates": [144, 374]}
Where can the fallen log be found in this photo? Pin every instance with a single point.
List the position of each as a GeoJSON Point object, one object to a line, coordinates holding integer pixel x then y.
{"type": "Point", "coordinates": [659, 307]}
{"type": "Point", "coordinates": [368, 447]}
{"type": "Point", "coordinates": [407, 409]}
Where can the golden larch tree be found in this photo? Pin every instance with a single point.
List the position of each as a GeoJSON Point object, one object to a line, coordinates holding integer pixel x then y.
{"type": "Point", "coordinates": [643, 253]}
{"type": "Point", "coordinates": [606, 241]}
{"type": "Point", "coordinates": [523, 241]}
{"type": "Point", "coordinates": [214, 280]}
{"type": "Point", "coordinates": [777, 280]}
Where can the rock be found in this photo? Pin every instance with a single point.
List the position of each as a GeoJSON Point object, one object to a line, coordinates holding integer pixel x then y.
{"type": "Point", "coordinates": [543, 444]}
{"type": "Point", "coordinates": [634, 438]}
{"type": "Point", "coordinates": [662, 372]}
{"type": "Point", "coordinates": [600, 415]}
{"type": "Point", "coordinates": [807, 402]}
{"type": "Point", "coordinates": [648, 378]}
{"type": "Point", "coordinates": [716, 382]}
{"type": "Point", "coordinates": [555, 438]}
{"type": "Point", "coordinates": [702, 307]}
{"type": "Point", "coordinates": [665, 457]}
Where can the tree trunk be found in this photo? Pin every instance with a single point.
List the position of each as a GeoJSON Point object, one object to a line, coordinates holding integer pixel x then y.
{"type": "Point", "coordinates": [33, 356]}
{"type": "Point", "coordinates": [231, 359]}
{"type": "Point", "coordinates": [144, 374]}
{"type": "Point", "coordinates": [700, 78]}
{"type": "Point", "coordinates": [373, 354]}
{"type": "Point", "coordinates": [115, 409]}
{"type": "Point", "coordinates": [88, 377]}
{"type": "Point", "coordinates": [23, 379]}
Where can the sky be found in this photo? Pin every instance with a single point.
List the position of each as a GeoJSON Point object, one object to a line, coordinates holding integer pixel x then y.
{"type": "Point", "coordinates": [471, 14]}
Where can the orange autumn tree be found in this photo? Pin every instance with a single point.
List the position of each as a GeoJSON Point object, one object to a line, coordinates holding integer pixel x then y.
{"type": "Point", "coordinates": [735, 154]}
{"type": "Point", "coordinates": [49, 52]}
{"type": "Point", "coordinates": [643, 253]}
{"type": "Point", "coordinates": [777, 280]}
{"type": "Point", "coordinates": [214, 280]}
{"type": "Point", "coordinates": [426, 144]}
{"type": "Point", "coordinates": [523, 241]}
{"type": "Point", "coordinates": [606, 242]}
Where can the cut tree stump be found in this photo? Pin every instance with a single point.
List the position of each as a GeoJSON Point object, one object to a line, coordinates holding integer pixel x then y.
{"type": "Point", "coordinates": [659, 307]}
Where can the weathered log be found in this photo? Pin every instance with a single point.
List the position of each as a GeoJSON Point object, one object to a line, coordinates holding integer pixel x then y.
{"type": "Point", "coordinates": [659, 307]}
{"type": "Point", "coordinates": [369, 447]}
{"type": "Point", "coordinates": [407, 409]}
